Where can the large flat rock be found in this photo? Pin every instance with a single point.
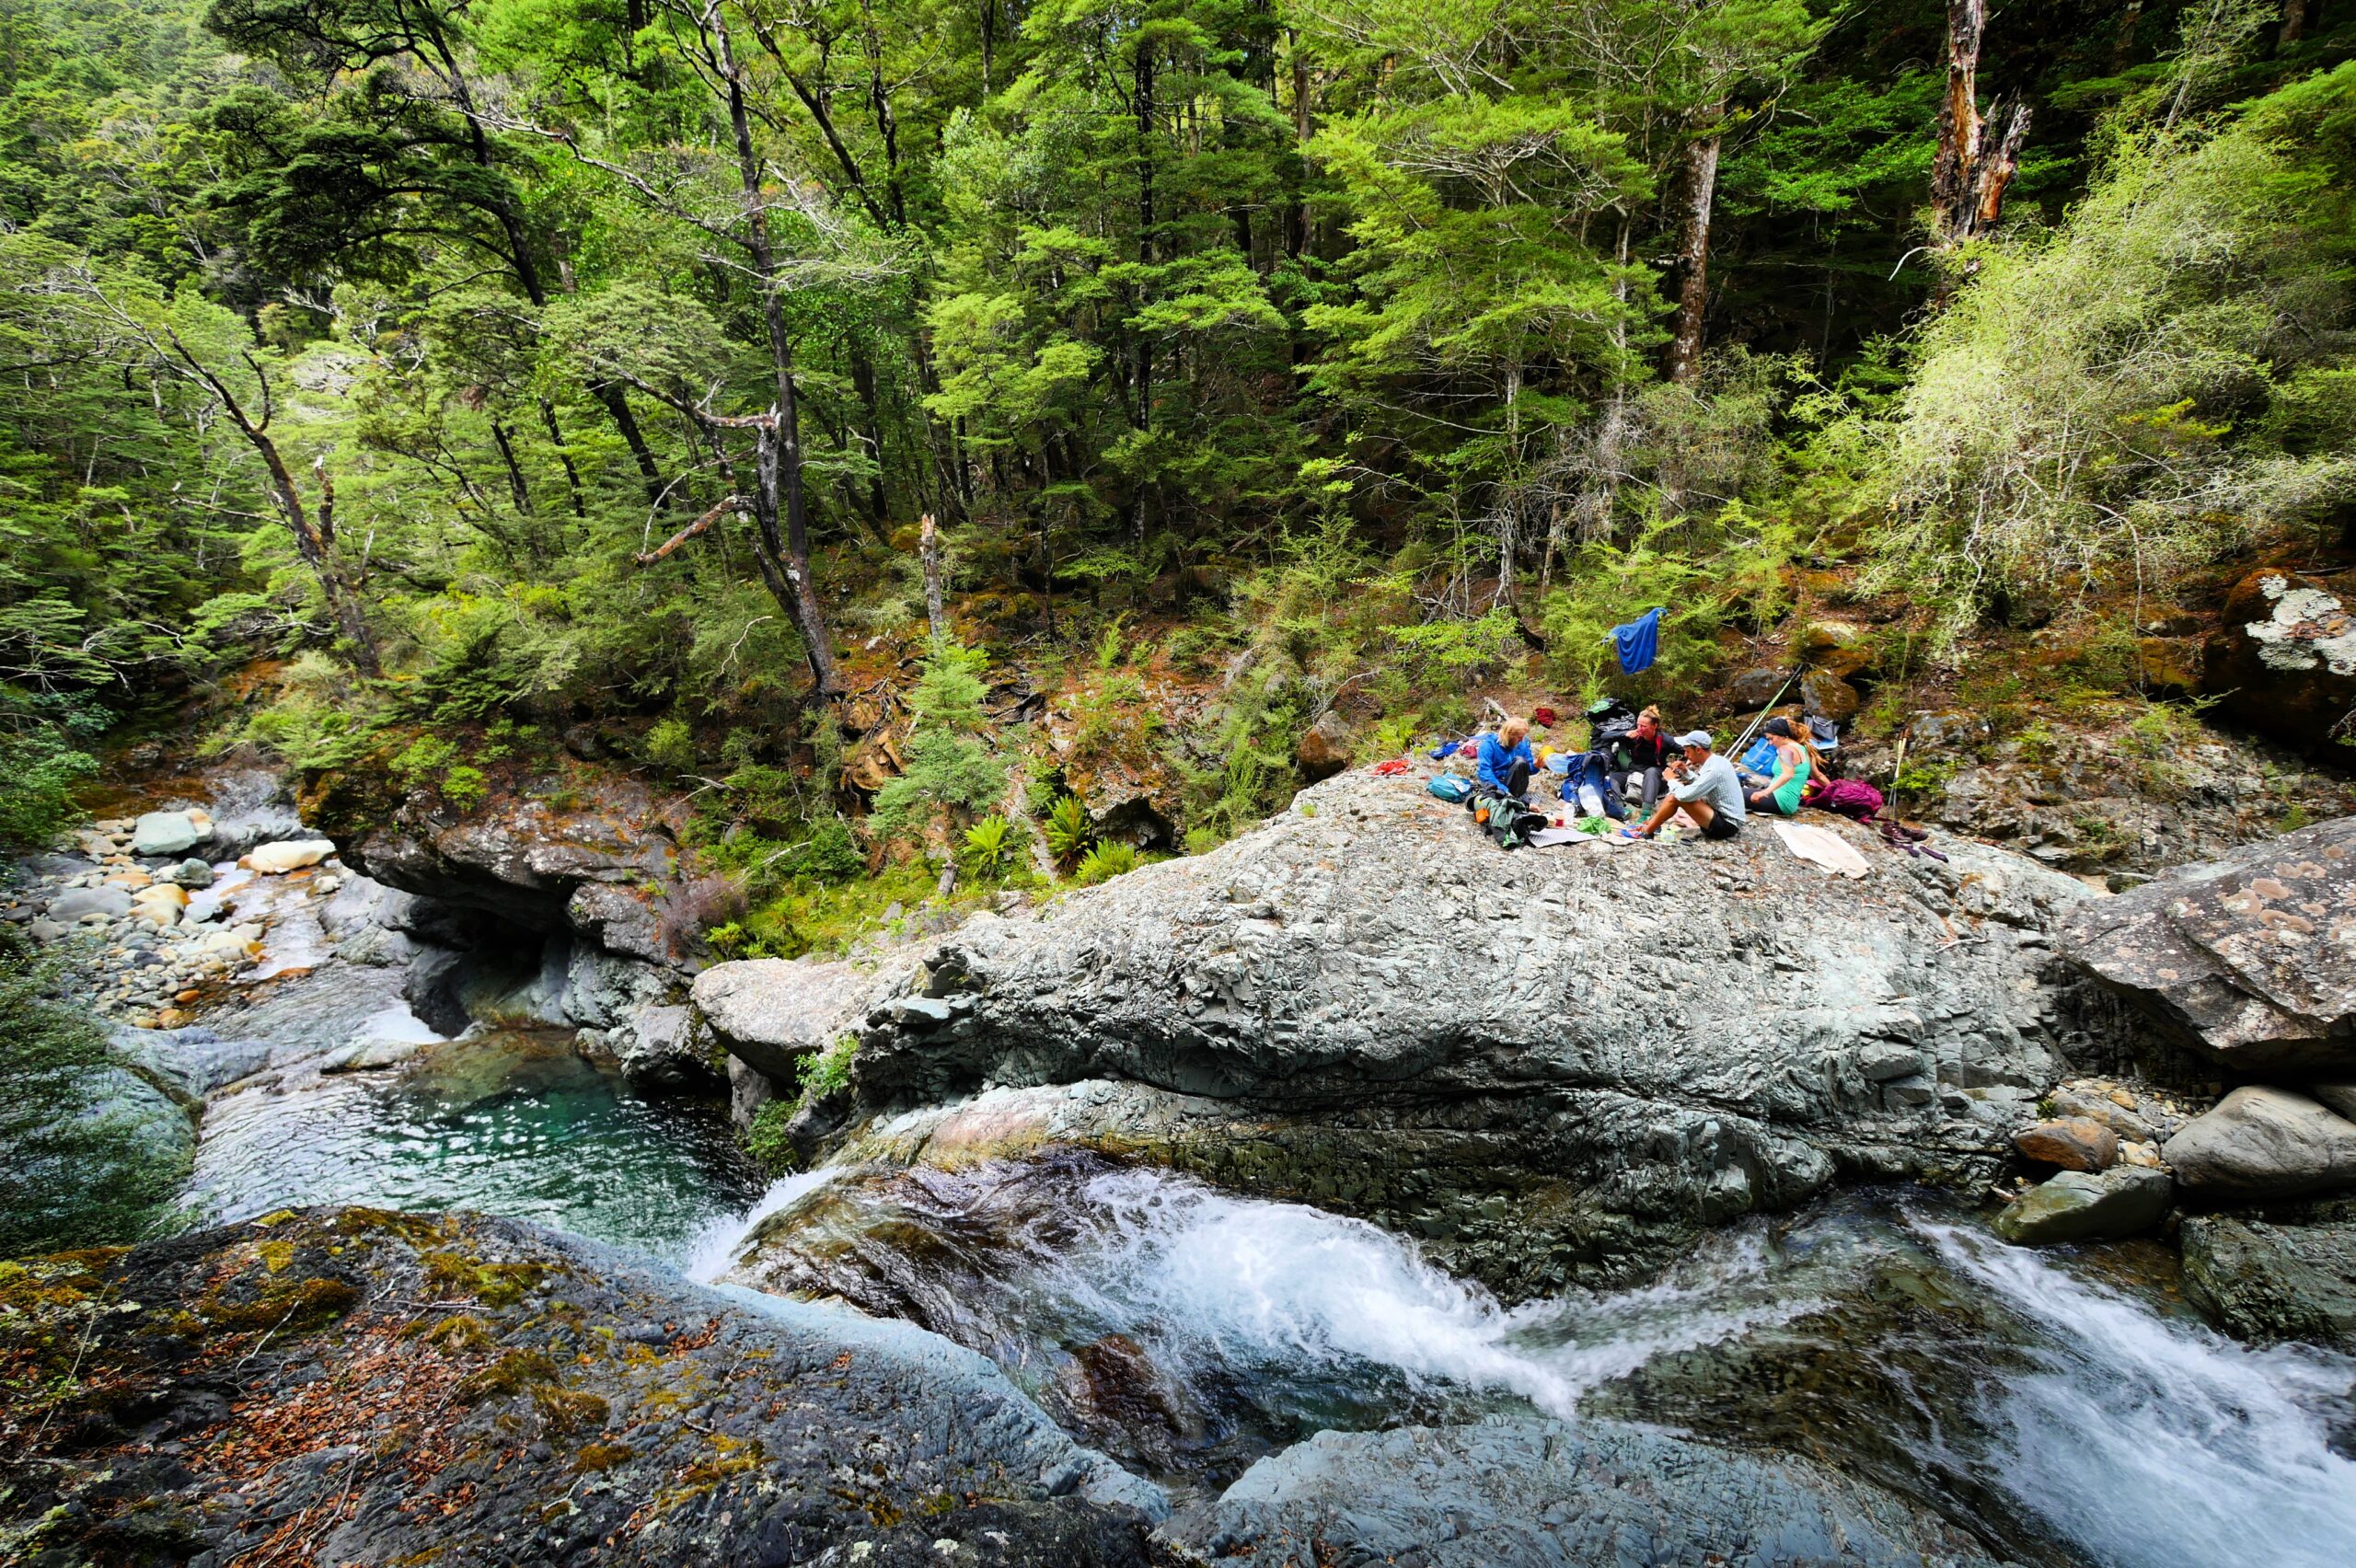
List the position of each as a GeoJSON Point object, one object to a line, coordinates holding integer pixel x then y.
{"type": "Point", "coordinates": [2250, 958]}
{"type": "Point", "coordinates": [1509, 1493]}
{"type": "Point", "coordinates": [1562, 1061]}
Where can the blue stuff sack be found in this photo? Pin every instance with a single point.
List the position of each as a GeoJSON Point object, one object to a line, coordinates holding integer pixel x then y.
{"type": "Point", "coordinates": [1451, 788]}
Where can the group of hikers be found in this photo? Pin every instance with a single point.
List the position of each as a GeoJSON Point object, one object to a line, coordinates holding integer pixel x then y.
{"type": "Point", "coordinates": [1662, 774]}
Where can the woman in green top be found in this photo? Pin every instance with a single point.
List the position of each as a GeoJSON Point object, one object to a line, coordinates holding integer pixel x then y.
{"type": "Point", "coordinates": [1781, 795]}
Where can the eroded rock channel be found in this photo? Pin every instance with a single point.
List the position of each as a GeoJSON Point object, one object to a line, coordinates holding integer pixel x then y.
{"type": "Point", "coordinates": [1350, 1194]}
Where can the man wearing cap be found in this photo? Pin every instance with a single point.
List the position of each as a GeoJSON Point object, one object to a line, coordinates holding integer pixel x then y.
{"type": "Point", "coordinates": [1705, 786]}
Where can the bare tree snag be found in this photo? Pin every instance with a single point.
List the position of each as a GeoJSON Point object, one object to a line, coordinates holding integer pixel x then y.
{"type": "Point", "coordinates": [1971, 171]}
{"type": "Point", "coordinates": [930, 547]}
{"type": "Point", "coordinates": [2295, 23]}
{"type": "Point", "coordinates": [1693, 253]}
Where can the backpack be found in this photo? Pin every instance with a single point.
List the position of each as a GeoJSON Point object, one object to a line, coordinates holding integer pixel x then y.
{"type": "Point", "coordinates": [1850, 797]}
{"type": "Point", "coordinates": [1449, 787]}
{"type": "Point", "coordinates": [1825, 733]}
{"type": "Point", "coordinates": [1509, 822]}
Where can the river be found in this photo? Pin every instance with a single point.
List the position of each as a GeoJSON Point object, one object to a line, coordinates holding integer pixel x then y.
{"type": "Point", "coordinates": [2063, 1404]}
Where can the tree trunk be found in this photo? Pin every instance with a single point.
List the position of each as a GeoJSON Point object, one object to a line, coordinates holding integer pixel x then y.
{"type": "Point", "coordinates": [516, 490]}
{"type": "Point", "coordinates": [862, 381]}
{"type": "Point", "coordinates": [780, 488]}
{"type": "Point", "coordinates": [563, 456]}
{"type": "Point", "coordinates": [1144, 378]}
{"type": "Point", "coordinates": [1693, 254]}
{"type": "Point", "coordinates": [2295, 23]}
{"type": "Point", "coordinates": [1951, 168]}
{"type": "Point", "coordinates": [934, 612]}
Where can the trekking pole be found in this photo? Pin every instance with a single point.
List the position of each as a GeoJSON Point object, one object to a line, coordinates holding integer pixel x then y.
{"type": "Point", "coordinates": [1744, 739]}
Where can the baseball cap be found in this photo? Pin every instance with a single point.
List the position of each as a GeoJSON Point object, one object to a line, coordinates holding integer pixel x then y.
{"type": "Point", "coordinates": [1694, 738]}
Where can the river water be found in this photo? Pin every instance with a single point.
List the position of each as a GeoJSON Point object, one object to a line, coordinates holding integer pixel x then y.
{"type": "Point", "coordinates": [2063, 1404]}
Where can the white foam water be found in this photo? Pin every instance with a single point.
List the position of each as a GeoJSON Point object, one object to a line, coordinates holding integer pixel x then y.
{"type": "Point", "coordinates": [2148, 1441]}
{"type": "Point", "coordinates": [716, 1245]}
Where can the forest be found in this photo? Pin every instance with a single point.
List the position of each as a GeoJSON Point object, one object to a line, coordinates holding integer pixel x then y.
{"type": "Point", "coordinates": [794, 387]}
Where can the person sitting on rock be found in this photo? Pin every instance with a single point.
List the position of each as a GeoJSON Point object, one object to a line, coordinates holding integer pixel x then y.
{"type": "Point", "coordinates": [1780, 796]}
{"type": "Point", "coordinates": [1504, 761]}
{"type": "Point", "coordinates": [1704, 786]}
{"type": "Point", "coordinates": [1643, 754]}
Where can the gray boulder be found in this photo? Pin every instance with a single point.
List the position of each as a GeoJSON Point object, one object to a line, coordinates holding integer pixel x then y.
{"type": "Point", "coordinates": [195, 1058]}
{"type": "Point", "coordinates": [167, 833]}
{"type": "Point", "coordinates": [114, 903]}
{"type": "Point", "coordinates": [2078, 1205]}
{"type": "Point", "coordinates": [1562, 1061]}
{"type": "Point", "coordinates": [2243, 957]}
{"type": "Point", "coordinates": [2340, 1098]}
{"type": "Point", "coordinates": [1521, 1493]}
{"type": "Point", "coordinates": [192, 872]}
{"type": "Point", "coordinates": [2264, 1143]}
{"type": "Point", "coordinates": [2274, 1282]}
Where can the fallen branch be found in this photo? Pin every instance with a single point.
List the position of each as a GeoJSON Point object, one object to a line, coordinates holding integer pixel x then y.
{"type": "Point", "coordinates": [727, 504]}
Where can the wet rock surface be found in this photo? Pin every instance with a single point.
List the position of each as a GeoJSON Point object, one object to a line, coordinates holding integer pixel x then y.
{"type": "Point", "coordinates": [1553, 1065]}
{"type": "Point", "coordinates": [1527, 1493]}
{"type": "Point", "coordinates": [2268, 1282]}
{"type": "Point", "coordinates": [2250, 958]}
{"type": "Point", "coordinates": [355, 1386]}
{"type": "Point", "coordinates": [2088, 1206]}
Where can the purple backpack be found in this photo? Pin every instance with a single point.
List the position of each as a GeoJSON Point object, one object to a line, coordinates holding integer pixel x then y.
{"type": "Point", "coordinates": [1850, 797]}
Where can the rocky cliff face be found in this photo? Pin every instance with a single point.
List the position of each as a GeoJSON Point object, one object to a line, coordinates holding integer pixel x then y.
{"type": "Point", "coordinates": [1553, 1065]}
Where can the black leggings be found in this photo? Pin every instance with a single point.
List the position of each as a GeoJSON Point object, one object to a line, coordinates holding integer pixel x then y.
{"type": "Point", "coordinates": [1517, 779]}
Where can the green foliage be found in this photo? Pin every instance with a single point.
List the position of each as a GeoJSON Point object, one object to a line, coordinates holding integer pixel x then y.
{"type": "Point", "coordinates": [465, 788]}
{"type": "Point", "coordinates": [947, 766]}
{"type": "Point", "coordinates": [1069, 831]}
{"type": "Point", "coordinates": [671, 746]}
{"type": "Point", "coordinates": [989, 847]}
{"type": "Point", "coordinates": [77, 1170]}
{"type": "Point", "coordinates": [764, 1137]}
{"type": "Point", "coordinates": [41, 764]}
{"type": "Point", "coordinates": [2076, 418]}
{"type": "Point", "coordinates": [826, 1072]}
{"type": "Point", "coordinates": [1104, 862]}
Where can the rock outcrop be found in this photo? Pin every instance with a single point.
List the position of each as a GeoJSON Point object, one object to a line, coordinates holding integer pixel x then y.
{"type": "Point", "coordinates": [2250, 958]}
{"type": "Point", "coordinates": [2284, 660]}
{"type": "Point", "coordinates": [584, 865]}
{"type": "Point", "coordinates": [1510, 1493]}
{"type": "Point", "coordinates": [355, 1386]}
{"type": "Point", "coordinates": [2268, 1282]}
{"type": "Point", "coordinates": [1553, 1065]}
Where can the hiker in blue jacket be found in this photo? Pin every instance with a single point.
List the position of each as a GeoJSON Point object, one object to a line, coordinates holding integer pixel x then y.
{"type": "Point", "coordinates": [1505, 760]}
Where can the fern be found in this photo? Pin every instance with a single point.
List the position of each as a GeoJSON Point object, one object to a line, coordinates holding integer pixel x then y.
{"type": "Point", "coordinates": [1068, 830]}
{"type": "Point", "coordinates": [1106, 861]}
{"type": "Point", "coordinates": [988, 846]}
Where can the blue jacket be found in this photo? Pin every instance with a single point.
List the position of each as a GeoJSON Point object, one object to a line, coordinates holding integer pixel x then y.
{"type": "Point", "coordinates": [1497, 758]}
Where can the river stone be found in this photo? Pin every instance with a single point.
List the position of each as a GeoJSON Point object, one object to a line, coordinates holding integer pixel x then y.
{"type": "Point", "coordinates": [2073, 1144]}
{"type": "Point", "coordinates": [1827, 696]}
{"type": "Point", "coordinates": [2125, 1200]}
{"type": "Point", "coordinates": [2269, 1282]}
{"type": "Point", "coordinates": [1529, 1061]}
{"type": "Point", "coordinates": [286, 855]}
{"type": "Point", "coordinates": [2250, 957]}
{"type": "Point", "coordinates": [167, 833]}
{"type": "Point", "coordinates": [727, 1428]}
{"type": "Point", "coordinates": [111, 903]}
{"type": "Point", "coordinates": [189, 873]}
{"type": "Point", "coordinates": [1522, 1492]}
{"type": "Point", "coordinates": [2264, 1143]}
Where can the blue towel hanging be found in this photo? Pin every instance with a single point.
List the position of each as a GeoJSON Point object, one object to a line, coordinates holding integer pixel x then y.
{"type": "Point", "coordinates": [1638, 642]}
